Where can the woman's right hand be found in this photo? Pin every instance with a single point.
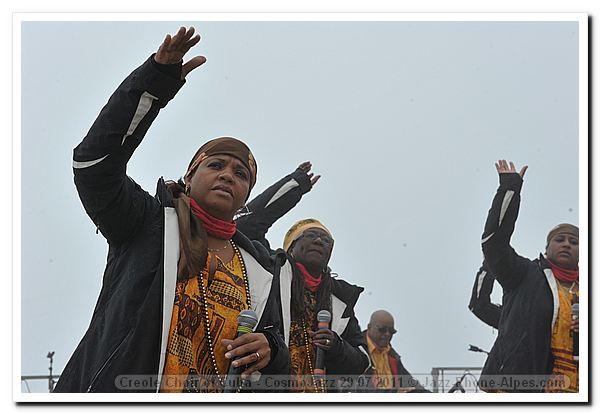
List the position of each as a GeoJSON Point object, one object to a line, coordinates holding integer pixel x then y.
{"type": "Point", "coordinates": [504, 167]}
{"type": "Point", "coordinates": [173, 49]}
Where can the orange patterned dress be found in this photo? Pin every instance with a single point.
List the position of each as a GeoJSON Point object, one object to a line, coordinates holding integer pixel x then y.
{"type": "Point", "coordinates": [196, 362]}
{"type": "Point", "coordinates": [565, 373]}
{"type": "Point", "coordinates": [302, 351]}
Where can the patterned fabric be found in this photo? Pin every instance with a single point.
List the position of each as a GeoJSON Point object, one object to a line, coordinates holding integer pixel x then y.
{"type": "Point", "coordinates": [381, 362]}
{"type": "Point", "coordinates": [188, 365]}
{"type": "Point", "coordinates": [302, 359]}
{"type": "Point", "coordinates": [565, 373]}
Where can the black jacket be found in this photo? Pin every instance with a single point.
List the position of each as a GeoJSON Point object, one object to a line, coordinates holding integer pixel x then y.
{"type": "Point", "coordinates": [480, 303]}
{"type": "Point", "coordinates": [351, 356]}
{"type": "Point", "coordinates": [124, 347]}
{"type": "Point", "coordinates": [520, 359]}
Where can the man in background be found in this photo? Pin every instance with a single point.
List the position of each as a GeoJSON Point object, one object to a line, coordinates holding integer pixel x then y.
{"type": "Point", "coordinates": [387, 374]}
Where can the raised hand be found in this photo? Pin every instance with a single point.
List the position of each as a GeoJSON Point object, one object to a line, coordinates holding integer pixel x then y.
{"type": "Point", "coordinates": [174, 48]}
{"type": "Point", "coordinates": [305, 167]}
{"type": "Point", "coordinates": [504, 167]}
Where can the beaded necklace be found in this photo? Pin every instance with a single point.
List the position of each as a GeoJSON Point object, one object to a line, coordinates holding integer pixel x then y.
{"type": "Point", "coordinates": [320, 385]}
{"type": "Point", "coordinates": [205, 313]}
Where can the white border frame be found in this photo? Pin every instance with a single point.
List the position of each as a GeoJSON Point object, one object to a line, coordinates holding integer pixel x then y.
{"type": "Point", "coordinates": [581, 18]}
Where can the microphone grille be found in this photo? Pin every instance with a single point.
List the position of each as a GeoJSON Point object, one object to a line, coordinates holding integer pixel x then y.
{"type": "Point", "coordinates": [324, 316]}
{"type": "Point", "coordinates": [248, 318]}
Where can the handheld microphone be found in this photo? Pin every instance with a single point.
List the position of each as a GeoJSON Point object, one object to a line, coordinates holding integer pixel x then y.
{"type": "Point", "coordinates": [575, 314]}
{"type": "Point", "coordinates": [247, 321]}
{"type": "Point", "coordinates": [323, 319]}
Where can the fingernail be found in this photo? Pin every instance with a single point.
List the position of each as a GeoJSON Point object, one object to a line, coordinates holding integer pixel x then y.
{"type": "Point", "coordinates": [244, 376]}
{"type": "Point", "coordinates": [227, 355]}
{"type": "Point", "coordinates": [229, 347]}
{"type": "Point", "coordinates": [234, 363]}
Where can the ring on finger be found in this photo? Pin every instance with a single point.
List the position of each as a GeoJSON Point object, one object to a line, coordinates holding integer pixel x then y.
{"type": "Point", "coordinates": [327, 341]}
{"type": "Point", "coordinates": [257, 356]}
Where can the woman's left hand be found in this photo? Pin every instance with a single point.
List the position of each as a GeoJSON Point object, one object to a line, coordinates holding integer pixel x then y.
{"type": "Point", "coordinates": [253, 350]}
{"type": "Point", "coordinates": [323, 338]}
{"type": "Point", "coordinates": [305, 168]}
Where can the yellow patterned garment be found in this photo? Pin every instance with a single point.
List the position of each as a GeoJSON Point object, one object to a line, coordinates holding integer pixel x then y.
{"type": "Point", "coordinates": [302, 356]}
{"type": "Point", "coordinates": [565, 372]}
{"type": "Point", "coordinates": [381, 361]}
{"type": "Point", "coordinates": [188, 365]}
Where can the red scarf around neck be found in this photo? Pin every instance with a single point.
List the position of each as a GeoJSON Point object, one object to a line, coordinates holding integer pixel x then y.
{"type": "Point", "coordinates": [562, 274]}
{"type": "Point", "coordinates": [312, 283]}
{"type": "Point", "coordinates": [215, 227]}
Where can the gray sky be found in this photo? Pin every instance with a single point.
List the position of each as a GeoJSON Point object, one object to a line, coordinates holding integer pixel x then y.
{"type": "Point", "coordinates": [404, 120]}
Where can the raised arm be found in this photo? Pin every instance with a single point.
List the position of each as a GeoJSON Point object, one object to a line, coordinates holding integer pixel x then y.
{"type": "Point", "coordinates": [480, 303]}
{"type": "Point", "coordinates": [114, 202]}
{"type": "Point", "coordinates": [273, 203]}
{"type": "Point", "coordinates": [508, 267]}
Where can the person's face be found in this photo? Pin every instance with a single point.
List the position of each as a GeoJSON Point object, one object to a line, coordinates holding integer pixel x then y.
{"type": "Point", "coordinates": [563, 250]}
{"type": "Point", "coordinates": [220, 185]}
{"type": "Point", "coordinates": [381, 330]}
{"type": "Point", "coordinates": [313, 249]}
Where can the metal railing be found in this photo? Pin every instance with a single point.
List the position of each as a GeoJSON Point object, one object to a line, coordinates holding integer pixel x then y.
{"type": "Point", "coordinates": [455, 379]}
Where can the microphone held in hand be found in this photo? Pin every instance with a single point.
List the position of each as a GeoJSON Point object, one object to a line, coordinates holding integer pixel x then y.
{"type": "Point", "coordinates": [323, 320]}
{"type": "Point", "coordinates": [247, 321]}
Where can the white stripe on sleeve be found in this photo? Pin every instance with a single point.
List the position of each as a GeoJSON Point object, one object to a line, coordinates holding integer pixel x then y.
{"type": "Point", "coordinates": [143, 107]}
{"type": "Point", "coordinates": [507, 197]}
{"type": "Point", "coordinates": [283, 190]}
{"type": "Point", "coordinates": [480, 281]}
{"type": "Point", "coordinates": [85, 164]}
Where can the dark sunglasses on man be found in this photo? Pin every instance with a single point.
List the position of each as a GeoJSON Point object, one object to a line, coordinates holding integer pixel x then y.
{"type": "Point", "coordinates": [384, 329]}
{"type": "Point", "coordinates": [313, 235]}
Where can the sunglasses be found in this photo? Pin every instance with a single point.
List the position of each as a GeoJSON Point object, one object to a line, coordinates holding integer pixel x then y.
{"type": "Point", "coordinates": [384, 329]}
{"type": "Point", "coordinates": [313, 235]}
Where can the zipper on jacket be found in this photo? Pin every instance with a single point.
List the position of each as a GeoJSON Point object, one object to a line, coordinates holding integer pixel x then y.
{"type": "Point", "coordinates": [110, 357]}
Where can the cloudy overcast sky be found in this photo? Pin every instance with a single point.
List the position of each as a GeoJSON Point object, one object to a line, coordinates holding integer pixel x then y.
{"type": "Point", "coordinates": [403, 119]}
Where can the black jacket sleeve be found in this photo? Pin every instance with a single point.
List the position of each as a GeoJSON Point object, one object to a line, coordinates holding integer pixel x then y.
{"type": "Point", "coordinates": [272, 204]}
{"type": "Point", "coordinates": [480, 303]}
{"type": "Point", "coordinates": [508, 267]}
{"type": "Point", "coordinates": [350, 353]}
{"type": "Point", "coordinates": [280, 356]}
{"type": "Point", "coordinates": [114, 202]}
